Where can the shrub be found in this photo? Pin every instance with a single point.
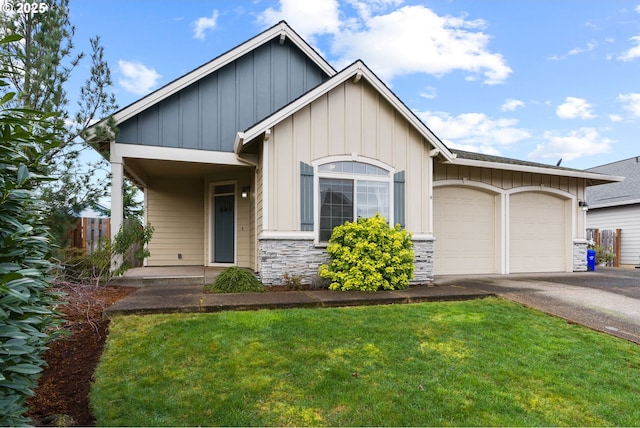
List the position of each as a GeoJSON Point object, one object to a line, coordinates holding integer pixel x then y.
{"type": "Point", "coordinates": [368, 255]}
{"type": "Point", "coordinates": [130, 244]}
{"type": "Point", "coordinates": [235, 280]}
{"type": "Point", "coordinates": [292, 282]}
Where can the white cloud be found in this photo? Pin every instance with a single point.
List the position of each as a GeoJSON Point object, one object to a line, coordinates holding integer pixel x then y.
{"type": "Point", "coordinates": [615, 118]}
{"type": "Point", "coordinates": [631, 103]}
{"type": "Point", "coordinates": [638, 8]}
{"type": "Point", "coordinates": [590, 46]}
{"type": "Point", "coordinates": [429, 93]}
{"type": "Point", "coordinates": [406, 40]}
{"type": "Point", "coordinates": [414, 39]}
{"type": "Point", "coordinates": [512, 104]}
{"type": "Point", "coordinates": [203, 24]}
{"type": "Point", "coordinates": [571, 145]}
{"type": "Point", "coordinates": [137, 78]}
{"type": "Point", "coordinates": [308, 18]}
{"type": "Point", "coordinates": [574, 108]}
{"type": "Point", "coordinates": [632, 53]}
{"type": "Point", "coordinates": [474, 131]}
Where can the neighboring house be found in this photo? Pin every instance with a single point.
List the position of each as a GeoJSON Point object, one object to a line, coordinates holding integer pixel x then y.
{"type": "Point", "coordinates": [254, 157]}
{"type": "Point", "coordinates": [617, 206]}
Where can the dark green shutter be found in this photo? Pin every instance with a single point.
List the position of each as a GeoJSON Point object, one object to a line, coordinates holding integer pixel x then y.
{"type": "Point", "coordinates": [398, 198]}
{"type": "Point", "coordinates": [306, 197]}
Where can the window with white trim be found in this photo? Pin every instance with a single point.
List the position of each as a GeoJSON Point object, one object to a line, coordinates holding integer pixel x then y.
{"type": "Point", "coordinates": [349, 190]}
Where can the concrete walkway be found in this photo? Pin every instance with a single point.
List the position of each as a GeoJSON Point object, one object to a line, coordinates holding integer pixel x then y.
{"type": "Point", "coordinates": [190, 298]}
{"type": "Point", "coordinates": [607, 300]}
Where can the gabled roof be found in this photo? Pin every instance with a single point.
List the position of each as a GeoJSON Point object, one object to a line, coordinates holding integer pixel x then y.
{"type": "Point", "coordinates": [617, 194]}
{"type": "Point", "coordinates": [356, 71]}
{"type": "Point", "coordinates": [498, 162]}
{"type": "Point", "coordinates": [282, 30]}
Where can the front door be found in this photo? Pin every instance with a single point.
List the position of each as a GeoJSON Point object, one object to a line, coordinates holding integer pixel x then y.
{"type": "Point", "coordinates": [224, 228]}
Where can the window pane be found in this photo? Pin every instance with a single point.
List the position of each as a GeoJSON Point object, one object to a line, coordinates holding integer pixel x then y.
{"type": "Point", "coordinates": [336, 204]}
{"type": "Point", "coordinates": [373, 197]}
{"type": "Point", "coordinates": [349, 167]}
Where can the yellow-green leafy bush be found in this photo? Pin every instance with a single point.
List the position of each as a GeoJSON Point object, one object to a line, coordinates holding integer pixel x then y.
{"type": "Point", "coordinates": [368, 255]}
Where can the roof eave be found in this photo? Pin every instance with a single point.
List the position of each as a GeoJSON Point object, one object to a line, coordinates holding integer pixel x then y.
{"type": "Point", "coordinates": [593, 179]}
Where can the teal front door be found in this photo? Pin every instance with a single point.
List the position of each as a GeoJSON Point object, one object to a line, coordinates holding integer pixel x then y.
{"type": "Point", "coordinates": [224, 229]}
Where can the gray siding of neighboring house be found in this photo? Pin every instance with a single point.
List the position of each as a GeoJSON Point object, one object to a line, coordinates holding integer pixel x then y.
{"type": "Point", "coordinates": [626, 218]}
{"type": "Point", "coordinates": [207, 114]}
{"type": "Point", "coordinates": [616, 206]}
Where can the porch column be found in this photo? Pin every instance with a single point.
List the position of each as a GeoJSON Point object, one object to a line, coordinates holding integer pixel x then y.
{"type": "Point", "coordinates": [117, 205]}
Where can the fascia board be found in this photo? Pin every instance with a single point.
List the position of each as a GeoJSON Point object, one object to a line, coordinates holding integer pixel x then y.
{"type": "Point", "coordinates": [600, 178]}
{"type": "Point", "coordinates": [614, 204]}
{"type": "Point", "coordinates": [356, 69]}
{"type": "Point", "coordinates": [171, 88]}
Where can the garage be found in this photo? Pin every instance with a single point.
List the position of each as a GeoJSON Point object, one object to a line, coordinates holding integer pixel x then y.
{"type": "Point", "coordinates": [537, 232]}
{"type": "Point", "coordinates": [464, 223]}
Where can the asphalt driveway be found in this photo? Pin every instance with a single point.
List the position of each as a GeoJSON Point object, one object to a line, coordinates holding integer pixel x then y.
{"type": "Point", "coordinates": [607, 300]}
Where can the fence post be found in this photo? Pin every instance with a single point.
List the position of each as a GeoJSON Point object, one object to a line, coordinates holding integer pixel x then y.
{"type": "Point", "coordinates": [618, 255]}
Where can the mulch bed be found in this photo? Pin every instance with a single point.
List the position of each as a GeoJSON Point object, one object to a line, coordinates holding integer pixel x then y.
{"type": "Point", "coordinates": [62, 395]}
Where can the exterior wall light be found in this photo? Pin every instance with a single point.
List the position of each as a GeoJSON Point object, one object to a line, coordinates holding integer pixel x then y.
{"type": "Point", "coordinates": [583, 205]}
{"type": "Point", "coordinates": [245, 192]}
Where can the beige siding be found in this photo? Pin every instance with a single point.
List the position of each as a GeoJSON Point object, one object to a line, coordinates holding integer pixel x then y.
{"type": "Point", "coordinates": [352, 118]}
{"type": "Point", "coordinates": [176, 212]}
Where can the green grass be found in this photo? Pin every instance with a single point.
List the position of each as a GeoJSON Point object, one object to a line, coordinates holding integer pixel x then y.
{"type": "Point", "coordinates": [485, 362]}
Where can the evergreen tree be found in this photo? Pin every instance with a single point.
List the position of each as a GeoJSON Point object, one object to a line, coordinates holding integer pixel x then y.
{"type": "Point", "coordinates": [39, 69]}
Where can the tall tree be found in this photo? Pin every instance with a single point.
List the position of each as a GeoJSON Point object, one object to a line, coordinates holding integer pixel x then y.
{"type": "Point", "coordinates": [40, 67]}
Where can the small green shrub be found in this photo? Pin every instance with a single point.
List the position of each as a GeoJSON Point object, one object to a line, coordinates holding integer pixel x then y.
{"type": "Point", "coordinates": [292, 282]}
{"type": "Point", "coordinates": [368, 255]}
{"type": "Point", "coordinates": [235, 280]}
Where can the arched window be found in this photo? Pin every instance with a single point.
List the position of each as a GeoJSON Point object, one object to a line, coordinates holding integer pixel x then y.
{"type": "Point", "coordinates": [350, 189]}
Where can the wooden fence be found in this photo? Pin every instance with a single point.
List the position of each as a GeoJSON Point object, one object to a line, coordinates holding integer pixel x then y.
{"type": "Point", "coordinates": [88, 232]}
{"type": "Point", "coordinates": [608, 241]}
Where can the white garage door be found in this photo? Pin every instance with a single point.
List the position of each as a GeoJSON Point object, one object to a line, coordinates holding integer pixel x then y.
{"type": "Point", "coordinates": [464, 225]}
{"type": "Point", "coordinates": [537, 226]}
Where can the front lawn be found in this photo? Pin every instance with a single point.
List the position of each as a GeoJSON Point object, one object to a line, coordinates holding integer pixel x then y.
{"type": "Point", "coordinates": [485, 362]}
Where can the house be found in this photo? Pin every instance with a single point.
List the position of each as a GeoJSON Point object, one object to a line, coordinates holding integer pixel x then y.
{"type": "Point", "coordinates": [253, 158]}
{"type": "Point", "coordinates": [616, 205]}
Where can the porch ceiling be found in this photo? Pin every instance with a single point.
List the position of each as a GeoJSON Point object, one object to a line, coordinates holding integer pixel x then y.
{"type": "Point", "coordinates": [163, 168]}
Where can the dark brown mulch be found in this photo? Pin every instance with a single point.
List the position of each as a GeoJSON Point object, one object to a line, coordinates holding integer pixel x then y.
{"type": "Point", "coordinates": [62, 396]}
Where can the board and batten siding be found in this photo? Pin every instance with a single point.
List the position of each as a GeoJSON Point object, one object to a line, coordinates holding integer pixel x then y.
{"type": "Point", "coordinates": [508, 180]}
{"type": "Point", "coordinates": [207, 114]}
{"type": "Point", "coordinates": [351, 118]}
{"type": "Point", "coordinates": [626, 218]}
{"type": "Point", "coordinates": [175, 209]}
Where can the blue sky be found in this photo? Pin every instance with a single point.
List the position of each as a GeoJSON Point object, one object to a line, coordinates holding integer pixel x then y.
{"type": "Point", "coordinates": [534, 80]}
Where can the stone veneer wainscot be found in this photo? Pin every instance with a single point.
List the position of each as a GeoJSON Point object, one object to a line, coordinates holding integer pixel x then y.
{"type": "Point", "coordinates": [298, 255]}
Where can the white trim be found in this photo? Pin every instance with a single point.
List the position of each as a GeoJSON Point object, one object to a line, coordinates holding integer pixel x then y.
{"type": "Point", "coordinates": [422, 237]}
{"type": "Point", "coordinates": [597, 178]}
{"type": "Point", "coordinates": [123, 150]}
{"type": "Point", "coordinates": [333, 82]}
{"type": "Point", "coordinates": [265, 186]}
{"type": "Point", "coordinates": [279, 30]}
{"type": "Point", "coordinates": [288, 235]}
{"type": "Point", "coordinates": [467, 183]}
{"type": "Point", "coordinates": [210, 238]}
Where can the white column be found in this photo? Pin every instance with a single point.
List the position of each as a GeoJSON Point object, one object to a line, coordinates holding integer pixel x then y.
{"type": "Point", "coordinates": [117, 177]}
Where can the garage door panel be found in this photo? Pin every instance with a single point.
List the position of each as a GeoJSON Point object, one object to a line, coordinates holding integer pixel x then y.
{"type": "Point", "coordinates": [537, 229]}
{"type": "Point", "coordinates": [464, 227]}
